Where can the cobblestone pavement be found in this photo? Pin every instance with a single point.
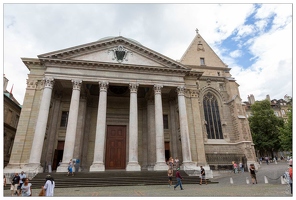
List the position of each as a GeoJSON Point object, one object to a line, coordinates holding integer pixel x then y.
{"type": "Point", "coordinates": [224, 188]}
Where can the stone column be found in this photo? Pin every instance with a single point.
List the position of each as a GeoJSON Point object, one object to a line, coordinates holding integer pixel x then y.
{"type": "Point", "coordinates": [174, 132]}
{"type": "Point", "coordinates": [71, 127]}
{"type": "Point", "coordinates": [151, 135]}
{"type": "Point", "coordinates": [160, 156]}
{"type": "Point", "coordinates": [186, 151]}
{"type": "Point", "coordinates": [133, 164]}
{"type": "Point", "coordinates": [38, 140]}
{"type": "Point", "coordinates": [98, 162]}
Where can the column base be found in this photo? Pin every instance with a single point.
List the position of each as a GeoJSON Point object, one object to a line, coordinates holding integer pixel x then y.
{"type": "Point", "coordinates": [133, 166]}
{"type": "Point", "coordinates": [161, 166]}
{"type": "Point", "coordinates": [63, 167]}
{"type": "Point", "coordinates": [150, 167]}
{"type": "Point", "coordinates": [189, 166]}
{"type": "Point", "coordinates": [97, 167]}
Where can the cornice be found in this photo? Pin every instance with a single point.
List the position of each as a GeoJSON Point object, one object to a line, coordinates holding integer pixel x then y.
{"type": "Point", "coordinates": [212, 78]}
{"type": "Point", "coordinates": [226, 69]}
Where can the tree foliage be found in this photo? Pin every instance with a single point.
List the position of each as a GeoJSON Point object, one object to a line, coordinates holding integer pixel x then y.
{"type": "Point", "coordinates": [264, 127]}
{"type": "Point", "coordinates": [286, 133]}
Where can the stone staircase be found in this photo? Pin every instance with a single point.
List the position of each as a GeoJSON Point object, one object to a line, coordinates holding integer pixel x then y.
{"type": "Point", "coordinates": [110, 178]}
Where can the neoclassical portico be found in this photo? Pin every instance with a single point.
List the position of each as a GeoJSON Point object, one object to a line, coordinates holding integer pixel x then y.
{"type": "Point", "coordinates": [115, 104]}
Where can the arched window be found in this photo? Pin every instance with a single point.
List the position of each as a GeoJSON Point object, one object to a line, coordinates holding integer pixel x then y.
{"type": "Point", "coordinates": [212, 117]}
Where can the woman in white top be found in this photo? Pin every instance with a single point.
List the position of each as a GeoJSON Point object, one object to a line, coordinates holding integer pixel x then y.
{"type": "Point", "coordinates": [49, 186]}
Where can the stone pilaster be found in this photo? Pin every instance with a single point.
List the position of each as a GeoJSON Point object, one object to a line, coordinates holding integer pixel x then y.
{"type": "Point", "coordinates": [98, 162]}
{"type": "Point", "coordinates": [133, 164]}
{"type": "Point", "coordinates": [160, 156]}
{"type": "Point", "coordinates": [71, 127]}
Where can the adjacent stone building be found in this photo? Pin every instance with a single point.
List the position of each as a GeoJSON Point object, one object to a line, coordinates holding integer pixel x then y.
{"type": "Point", "coordinates": [12, 111]}
{"type": "Point", "coordinates": [116, 104]}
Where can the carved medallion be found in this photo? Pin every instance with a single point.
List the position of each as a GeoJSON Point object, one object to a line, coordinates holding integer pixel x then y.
{"type": "Point", "coordinates": [120, 53]}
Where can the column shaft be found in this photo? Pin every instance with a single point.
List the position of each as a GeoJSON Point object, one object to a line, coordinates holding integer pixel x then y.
{"type": "Point", "coordinates": [160, 156]}
{"type": "Point", "coordinates": [99, 150]}
{"type": "Point", "coordinates": [71, 126]}
{"type": "Point", "coordinates": [41, 123]}
{"type": "Point", "coordinates": [184, 126]}
{"type": "Point", "coordinates": [133, 164]}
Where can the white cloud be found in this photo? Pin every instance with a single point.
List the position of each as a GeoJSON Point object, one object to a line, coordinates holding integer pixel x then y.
{"type": "Point", "coordinates": [235, 54]}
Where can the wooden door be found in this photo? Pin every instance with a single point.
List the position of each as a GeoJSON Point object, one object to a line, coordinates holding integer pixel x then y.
{"type": "Point", "coordinates": [116, 147]}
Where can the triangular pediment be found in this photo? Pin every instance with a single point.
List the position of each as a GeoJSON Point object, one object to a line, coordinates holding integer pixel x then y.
{"type": "Point", "coordinates": [199, 53]}
{"type": "Point", "coordinates": [115, 50]}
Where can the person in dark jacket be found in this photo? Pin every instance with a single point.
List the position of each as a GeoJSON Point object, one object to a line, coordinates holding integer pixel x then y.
{"type": "Point", "coordinates": [179, 178]}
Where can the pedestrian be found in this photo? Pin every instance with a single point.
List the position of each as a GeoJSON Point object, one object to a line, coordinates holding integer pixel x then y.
{"type": "Point", "coordinates": [14, 184]}
{"type": "Point", "coordinates": [22, 176]}
{"type": "Point", "coordinates": [49, 186]}
{"type": "Point", "coordinates": [260, 161]}
{"type": "Point", "coordinates": [4, 181]}
{"type": "Point", "coordinates": [179, 178]}
{"type": "Point", "coordinates": [253, 173]}
{"type": "Point", "coordinates": [171, 162]}
{"type": "Point", "coordinates": [70, 168]}
{"type": "Point", "coordinates": [176, 162]}
{"type": "Point", "coordinates": [234, 167]}
{"type": "Point", "coordinates": [202, 175]}
{"type": "Point", "coordinates": [266, 159]}
{"type": "Point", "coordinates": [241, 167]}
{"type": "Point", "coordinates": [291, 178]}
{"type": "Point", "coordinates": [170, 176]}
{"type": "Point", "coordinates": [26, 188]}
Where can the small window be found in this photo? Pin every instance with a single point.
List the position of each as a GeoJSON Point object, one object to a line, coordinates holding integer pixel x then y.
{"type": "Point", "coordinates": [17, 118]}
{"type": "Point", "coordinates": [276, 113]}
{"type": "Point", "coordinates": [202, 61]}
{"type": "Point", "coordinates": [218, 73]}
{"type": "Point", "coordinates": [64, 119]}
{"type": "Point", "coordinates": [165, 122]}
{"type": "Point", "coordinates": [283, 112]}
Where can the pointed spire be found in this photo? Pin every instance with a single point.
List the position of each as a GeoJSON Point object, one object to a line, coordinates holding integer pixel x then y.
{"type": "Point", "coordinates": [196, 30]}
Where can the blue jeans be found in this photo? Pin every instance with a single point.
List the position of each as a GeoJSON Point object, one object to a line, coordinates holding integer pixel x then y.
{"type": "Point", "coordinates": [179, 182]}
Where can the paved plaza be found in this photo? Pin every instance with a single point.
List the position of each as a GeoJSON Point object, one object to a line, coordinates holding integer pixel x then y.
{"type": "Point", "coordinates": [230, 185]}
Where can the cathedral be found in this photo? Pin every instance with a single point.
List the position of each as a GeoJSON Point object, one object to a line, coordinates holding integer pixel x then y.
{"type": "Point", "coordinates": [115, 104]}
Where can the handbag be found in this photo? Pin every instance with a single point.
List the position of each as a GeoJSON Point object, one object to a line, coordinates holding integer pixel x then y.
{"type": "Point", "coordinates": [42, 192]}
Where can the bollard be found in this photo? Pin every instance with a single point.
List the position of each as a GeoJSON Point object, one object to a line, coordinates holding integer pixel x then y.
{"type": "Point", "coordinates": [231, 180]}
{"type": "Point", "coordinates": [282, 180]}
{"type": "Point", "coordinates": [275, 162]}
{"type": "Point", "coordinates": [265, 179]}
{"type": "Point", "coordinates": [247, 180]}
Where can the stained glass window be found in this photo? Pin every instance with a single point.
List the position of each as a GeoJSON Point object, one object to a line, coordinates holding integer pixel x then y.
{"type": "Point", "coordinates": [212, 117]}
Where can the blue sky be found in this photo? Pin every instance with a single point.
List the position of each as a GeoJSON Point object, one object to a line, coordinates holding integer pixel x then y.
{"type": "Point", "coordinates": [254, 40]}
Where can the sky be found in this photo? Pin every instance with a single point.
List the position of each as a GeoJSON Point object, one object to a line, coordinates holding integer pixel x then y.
{"type": "Point", "coordinates": [254, 40]}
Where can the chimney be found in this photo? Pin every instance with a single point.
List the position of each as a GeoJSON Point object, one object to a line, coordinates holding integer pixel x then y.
{"type": "Point", "coordinates": [5, 83]}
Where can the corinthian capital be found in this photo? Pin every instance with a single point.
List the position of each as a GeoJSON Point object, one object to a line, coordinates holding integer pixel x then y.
{"type": "Point", "coordinates": [48, 82]}
{"type": "Point", "coordinates": [76, 84]}
{"type": "Point", "coordinates": [133, 87]}
{"type": "Point", "coordinates": [103, 86]}
{"type": "Point", "coordinates": [157, 89]}
{"type": "Point", "coordinates": [181, 90]}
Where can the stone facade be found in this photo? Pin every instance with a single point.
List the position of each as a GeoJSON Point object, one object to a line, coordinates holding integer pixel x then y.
{"type": "Point", "coordinates": [12, 111]}
{"type": "Point", "coordinates": [116, 104]}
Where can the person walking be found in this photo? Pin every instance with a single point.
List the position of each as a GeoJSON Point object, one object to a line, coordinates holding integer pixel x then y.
{"type": "Point", "coordinates": [70, 168]}
{"type": "Point", "coordinates": [22, 177]}
{"type": "Point", "coordinates": [49, 186]}
{"type": "Point", "coordinates": [291, 178]}
{"type": "Point", "coordinates": [241, 167]}
{"type": "Point", "coordinates": [266, 159]}
{"type": "Point", "coordinates": [14, 184]}
{"type": "Point", "coordinates": [234, 167]}
{"type": "Point", "coordinates": [202, 175]}
{"type": "Point", "coordinates": [253, 173]}
{"type": "Point", "coordinates": [26, 188]}
{"type": "Point", "coordinates": [170, 176]}
{"type": "Point", "coordinates": [179, 178]}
